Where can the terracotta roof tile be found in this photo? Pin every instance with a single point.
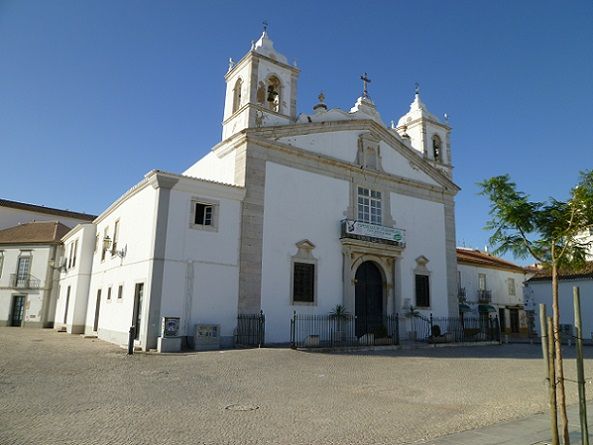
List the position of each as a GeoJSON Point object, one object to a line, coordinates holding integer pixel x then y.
{"type": "Point", "coordinates": [37, 232]}
{"type": "Point", "coordinates": [564, 273]}
{"type": "Point", "coordinates": [476, 257]}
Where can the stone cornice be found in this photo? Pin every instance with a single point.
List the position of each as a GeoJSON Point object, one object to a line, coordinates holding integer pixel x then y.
{"type": "Point", "coordinates": [253, 54]}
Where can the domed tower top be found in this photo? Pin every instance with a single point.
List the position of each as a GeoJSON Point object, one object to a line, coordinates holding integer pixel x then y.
{"type": "Point", "coordinates": [427, 134]}
{"type": "Point", "coordinates": [261, 89]}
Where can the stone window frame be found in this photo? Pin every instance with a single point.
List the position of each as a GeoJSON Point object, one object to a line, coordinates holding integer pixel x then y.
{"type": "Point", "coordinates": [1, 262]}
{"type": "Point", "coordinates": [422, 270]}
{"type": "Point", "coordinates": [511, 286]}
{"type": "Point", "coordinates": [304, 255]}
{"type": "Point", "coordinates": [371, 199]}
{"type": "Point", "coordinates": [237, 93]}
{"type": "Point", "coordinates": [215, 213]}
{"type": "Point", "coordinates": [436, 137]}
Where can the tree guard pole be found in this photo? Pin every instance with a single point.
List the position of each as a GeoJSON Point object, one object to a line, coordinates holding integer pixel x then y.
{"type": "Point", "coordinates": [580, 370]}
{"type": "Point", "coordinates": [552, 386]}
{"type": "Point", "coordinates": [543, 329]}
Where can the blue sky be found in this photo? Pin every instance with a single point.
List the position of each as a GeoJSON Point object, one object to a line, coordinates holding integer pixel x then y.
{"type": "Point", "coordinates": [94, 94]}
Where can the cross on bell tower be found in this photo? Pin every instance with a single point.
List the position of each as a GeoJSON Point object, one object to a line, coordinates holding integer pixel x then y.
{"type": "Point", "coordinates": [365, 80]}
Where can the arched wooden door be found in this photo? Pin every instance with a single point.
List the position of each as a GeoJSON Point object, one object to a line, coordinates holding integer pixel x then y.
{"type": "Point", "coordinates": [368, 298]}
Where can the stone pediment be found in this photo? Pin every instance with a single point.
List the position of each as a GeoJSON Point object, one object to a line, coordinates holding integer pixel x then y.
{"type": "Point", "coordinates": [315, 137]}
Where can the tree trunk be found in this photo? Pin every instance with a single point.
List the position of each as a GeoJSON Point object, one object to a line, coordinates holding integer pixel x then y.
{"type": "Point", "coordinates": [560, 393]}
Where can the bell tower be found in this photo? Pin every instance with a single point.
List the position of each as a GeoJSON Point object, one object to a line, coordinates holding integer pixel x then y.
{"type": "Point", "coordinates": [427, 134]}
{"type": "Point", "coordinates": [260, 89]}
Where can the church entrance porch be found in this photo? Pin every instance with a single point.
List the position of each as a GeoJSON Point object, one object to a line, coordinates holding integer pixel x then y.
{"type": "Point", "coordinates": [368, 298]}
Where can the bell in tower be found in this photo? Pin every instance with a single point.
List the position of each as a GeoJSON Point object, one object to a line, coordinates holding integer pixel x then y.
{"type": "Point", "coordinates": [261, 89]}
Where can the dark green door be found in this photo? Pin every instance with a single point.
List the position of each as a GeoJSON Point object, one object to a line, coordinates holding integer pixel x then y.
{"type": "Point", "coordinates": [18, 310]}
{"type": "Point", "coordinates": [368, 299]}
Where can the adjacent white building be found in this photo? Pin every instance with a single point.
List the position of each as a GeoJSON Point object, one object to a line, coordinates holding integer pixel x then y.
{"type": "Point", "coordinates": [539, 290]}
{"type": "Point", "coordinates": [13, 213]}
{"type": "Point", "coordinates": [491, 285]}
{"type": "Point", "coordinates": [28, 273]}
{"type": "Point", "coordinates": [289, 212]}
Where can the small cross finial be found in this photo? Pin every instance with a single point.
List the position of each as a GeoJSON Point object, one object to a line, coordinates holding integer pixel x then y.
{"type": "Point", "coordinates": [417, 90]}
{"type": "Point", "coordinates": [321, 97]}
{"type": "Point", "coordinates": [265, 23]}
{"type": "Point", "coordinates": [365, 80]}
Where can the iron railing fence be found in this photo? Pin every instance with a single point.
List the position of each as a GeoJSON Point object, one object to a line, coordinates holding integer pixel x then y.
{"type": "Point", "coordinates": [251, 330]}
{"type": "Point", "coordinates": [330, 331]}
{"type": "Point", "coordinates": [24, 281]}
{"type": "Point", "coordinates": [454, 329]}
{"type": "Point", "coordinates": [484, 296]}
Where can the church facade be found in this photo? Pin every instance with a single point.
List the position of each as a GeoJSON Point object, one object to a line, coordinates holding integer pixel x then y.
{"type": "Point", "coordinates": [288, 213]}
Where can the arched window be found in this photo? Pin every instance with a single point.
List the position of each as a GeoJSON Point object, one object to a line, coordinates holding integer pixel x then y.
{"type": "Point", "coordinates": [237, 94]}
{"type": "Point", "coordinates": [273, 94]}
{"type": "Point", "coordinates": [436, 147]}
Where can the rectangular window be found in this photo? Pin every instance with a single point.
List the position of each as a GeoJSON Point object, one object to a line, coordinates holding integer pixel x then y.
{"type": "Point", "coordinates": [103, 250]}
{"type": "Point", "coordinates": [512, 287]}
{"type": "Point", "coordinates": [70, 256]}
{"type": "Point", "coordinates": [1, 262]}
{"type": "Point", "coordinates": [120, 292]}
{"type": "Point", "coordinates": [22, 271]}
{"type": "Point", "coordinates": [303, 286]}
{"type": "Point", "coordinates": [109, 293]}
{"type": "Point", "coordinates": [74, 249]}
{"type": "Point", "coordinates": [422, 291]}
{"type": "Point", "coordinates": [482, 281]}
{"type": "Point", "coordinates": [204, 214]}
{"type": "Point", "coordinates": [96, 242]}
{"type": "Point", "coordinates": [369, 206]}
{"type": "Point", "coordinates": [137, 314]}
{"type": "Point", "coordinates": [115, 236]}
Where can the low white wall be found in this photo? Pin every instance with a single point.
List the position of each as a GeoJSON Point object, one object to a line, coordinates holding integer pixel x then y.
{"type": "Point", "coordinates": [541, 292]}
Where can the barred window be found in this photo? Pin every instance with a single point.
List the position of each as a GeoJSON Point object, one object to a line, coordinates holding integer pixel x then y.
{"type": "Point", "coordinates": [422, 291]}
{"type": "Point", "coordinates": [303, 287]}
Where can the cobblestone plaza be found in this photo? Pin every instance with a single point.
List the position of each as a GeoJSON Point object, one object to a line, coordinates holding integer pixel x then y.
{"type": "Point", "coordinates": [62, 389]}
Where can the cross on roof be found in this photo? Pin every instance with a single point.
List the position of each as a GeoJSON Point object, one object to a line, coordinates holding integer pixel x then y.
{"type": "Point", "coordinates": [365, 80]}
{"type": "Point", "coordinates": [265, 23]}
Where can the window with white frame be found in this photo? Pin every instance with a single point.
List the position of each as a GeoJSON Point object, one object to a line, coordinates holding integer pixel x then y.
{"type": "Point", "coordinates": [369, 206]}
{"type": "Point", "coordinates": [120, 292]}
{"type": "Point", "coordinates": [115, 236]}
{"type": "Point", "coordinates": [103, 249]}
{"type": "Point", "coordinates": [73, 253]}
{"type": "Point", "coordinates": [1, 262]}
{"type": "Point", "coordinates": [482, 281]}
{"type": "Point", "coordinates": [109, 293]}
{"type": "Point", "coordinates": [204, 214]}
{"type": "Point", "coordinates": [511, 284]}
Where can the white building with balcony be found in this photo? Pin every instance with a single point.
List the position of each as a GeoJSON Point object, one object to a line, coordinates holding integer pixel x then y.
{"type": "Point", "coordinates": [288, 213]}
{"type": "Point", "coordinates": [29, 276]}
{"type": "Point", "coordinates": [488, 285]}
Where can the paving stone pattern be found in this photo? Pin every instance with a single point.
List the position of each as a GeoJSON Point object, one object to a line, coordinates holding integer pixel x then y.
{"type": "Point", "coordinates": [61, 389]}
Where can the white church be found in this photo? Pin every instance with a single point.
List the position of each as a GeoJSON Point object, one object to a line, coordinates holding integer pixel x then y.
{"type": "Point", "coordinates": [289, 212]}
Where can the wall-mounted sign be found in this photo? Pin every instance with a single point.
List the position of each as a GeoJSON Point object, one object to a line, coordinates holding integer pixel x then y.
{"type": "Point", "coordinates": [362, 229]}
{"type": "Point", "coordinates": [170, 326]}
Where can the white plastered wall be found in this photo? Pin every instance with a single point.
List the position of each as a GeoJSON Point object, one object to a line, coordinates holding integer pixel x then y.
{"type": "Point", "coordinates": [202, 265]}
{"type": "Point", "coordinates": [424, 223]}
{"type": "Point", "coordinates": [300, 205]}
{"type": "Point", "coordinates": [34, 297]}
{"type": "Point", "coordinates": [215, 168]}
{"type": "Point", "coordinates": [541, 292]}
{"type": "Point", "coordinates": [136, 229]}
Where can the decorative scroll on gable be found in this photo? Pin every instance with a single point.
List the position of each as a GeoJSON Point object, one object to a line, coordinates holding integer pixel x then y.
{"type": "Point", "coordinates": [369, 152]}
